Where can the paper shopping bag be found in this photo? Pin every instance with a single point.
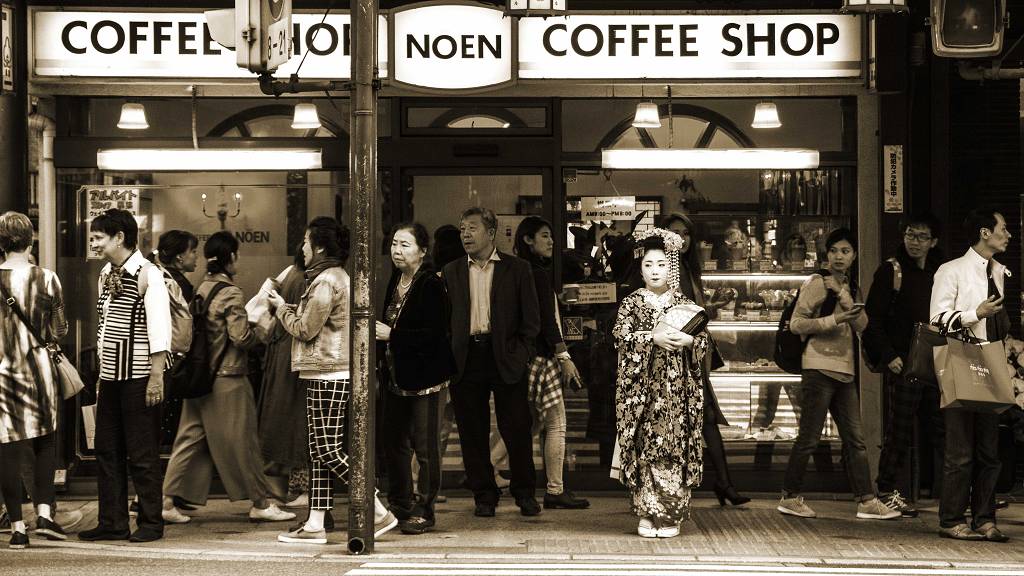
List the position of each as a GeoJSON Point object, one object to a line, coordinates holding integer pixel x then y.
{"type": "Point", "coordinates": [973, 376]}
{"type": "Point", "coordinates": [89, 425]}
{"type": "Point", "coordinates": [258, 311]}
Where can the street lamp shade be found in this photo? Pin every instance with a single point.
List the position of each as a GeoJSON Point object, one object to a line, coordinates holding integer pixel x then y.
{"type": "Point", "coordinates": [647, 116]}
{"type": "Point", "coordinates": [306, 117]}
{"type": "Point", "coordinates": [766, 115]}
{"type": "Point", "coordinates": [133, 117]}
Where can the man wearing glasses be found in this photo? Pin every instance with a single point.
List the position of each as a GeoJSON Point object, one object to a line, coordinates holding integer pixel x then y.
{"type": "Point", "coordinates": [898, 299]}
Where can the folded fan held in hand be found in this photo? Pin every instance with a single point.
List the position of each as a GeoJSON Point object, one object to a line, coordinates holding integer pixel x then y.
{"type": "Point", "coordinates": [688, 318]}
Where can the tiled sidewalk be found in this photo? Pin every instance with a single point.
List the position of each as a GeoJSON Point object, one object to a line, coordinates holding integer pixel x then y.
{"type": "Point", "coordinates": [606, 531]}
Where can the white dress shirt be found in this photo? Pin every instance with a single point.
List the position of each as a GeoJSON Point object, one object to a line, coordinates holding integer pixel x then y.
{"type": "Point", "coordinates": [480, 280]}
{"type": "Point", "coordinates": [962, 284]}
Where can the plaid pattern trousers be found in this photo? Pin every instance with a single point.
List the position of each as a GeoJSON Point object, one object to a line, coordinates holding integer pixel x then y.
{"type": "Point", "coordinates": [325, 414]}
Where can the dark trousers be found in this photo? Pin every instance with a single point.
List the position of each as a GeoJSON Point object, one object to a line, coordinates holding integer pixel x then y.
{"type": "Point", "coordinates": [128, 439]}
{"type": "Point", "coordinates": [714, 446]}
{"type": "Point", "coordinates": [414, 425]}
{"type": "Point", "coordinates": [45, 450]}
{"type": "Point", "coordinates": [971, 467]}
{"type": "Point", "coordinates": [470, 397]}
{"type": "Point", "coordinates": [820, 395]}
{"type": "Point", "coordinates": [911, 405]}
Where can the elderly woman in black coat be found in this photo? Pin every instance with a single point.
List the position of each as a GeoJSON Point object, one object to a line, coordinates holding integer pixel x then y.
{"type": "Point", "coordinates": [419, 364]}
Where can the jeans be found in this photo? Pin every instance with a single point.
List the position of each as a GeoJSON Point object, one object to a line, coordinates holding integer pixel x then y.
{"type": "Point", "coordinates": [551, 426]}
{"type": "Point", "coordinates": [471, 399]}
{"type": "Point", "coordinates": [413, 425]}
{"type": "Point", "coordinates": [820, 395]}
{"type": "Point", "coordinates": [971, 467]}
{"type": "Point", "coordinates": [912, 405]}
{"type": "Point", "coordinates": [128, 439]}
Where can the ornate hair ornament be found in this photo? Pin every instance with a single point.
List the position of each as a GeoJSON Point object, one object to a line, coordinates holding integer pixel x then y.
{"type": "Point", "coordinates": [673, 245]}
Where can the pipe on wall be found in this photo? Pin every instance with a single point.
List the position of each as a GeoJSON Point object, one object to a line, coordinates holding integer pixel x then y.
{"type": "Point", "coordinates": [44, 127]}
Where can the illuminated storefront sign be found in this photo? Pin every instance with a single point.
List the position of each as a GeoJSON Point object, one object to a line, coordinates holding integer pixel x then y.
{"type": "Point", "coordinates": [178, 45]}
{"type": "Point", "coordinates": [461, 46]}
{"type": "Point", "coordinates": [691, 46]}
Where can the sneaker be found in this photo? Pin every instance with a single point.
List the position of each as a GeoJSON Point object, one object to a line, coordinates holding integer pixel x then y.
{"type": "Point", "coordinates": [795, 506]}
{"type": "Point", "coordinates": [416, 525]}
{"type": "Point", "coordinates": [49, 529]}
{"type": "Point", "coordinates": [270, 514]}
{"type": "Point", "coordinates": [646, 529]}
{"type": "Point", "coordinates": [174, 516]}
{"type": "Point", "coordinates": [300, 501]}
{"type": "Point", "coordinates": [301, 536]}
{"type": "Point", "coordinates": [68, 519]}
{"type": "Point", "coordinates": [382, 526]}
{"type": "Point", "coordinates": [18, 541]}
{"type": "Point", "coordinates": [895, 501]}
{"type": "Point", "coordinates": [875, 509]}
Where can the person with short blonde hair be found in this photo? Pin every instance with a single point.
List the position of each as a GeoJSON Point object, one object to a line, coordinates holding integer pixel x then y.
{"type": "Point", "coordinates": [31, 304]}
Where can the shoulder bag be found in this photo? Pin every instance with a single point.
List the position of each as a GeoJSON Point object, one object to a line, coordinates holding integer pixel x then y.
{"type": "Point", "coordinates": [70, 381]}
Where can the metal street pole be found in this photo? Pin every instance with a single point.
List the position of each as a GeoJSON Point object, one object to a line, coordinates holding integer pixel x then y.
{"type": "Point", "coordinates": [363, 191]}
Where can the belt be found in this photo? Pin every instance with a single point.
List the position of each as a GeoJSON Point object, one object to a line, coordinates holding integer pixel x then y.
{"type": "Point", "coordinates": [480, 338]}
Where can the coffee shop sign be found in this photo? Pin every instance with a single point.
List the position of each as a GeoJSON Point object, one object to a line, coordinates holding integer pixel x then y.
{"type": "Point", "coordinates": [466, 46]}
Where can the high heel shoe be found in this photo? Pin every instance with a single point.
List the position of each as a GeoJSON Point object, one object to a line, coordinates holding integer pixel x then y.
{"type": "Point", "coordinates": [730, 494]}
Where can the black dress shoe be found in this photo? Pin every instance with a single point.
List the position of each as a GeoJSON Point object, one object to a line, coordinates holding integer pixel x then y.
{"type": "Point", "coordinates": [566, 500]}
{"type": "Point", "coordinates": [528, 506]}
{"type": "Point", "coordinates": [1002, 504]}
{"type": "Point", "coordinates": [18, 541]}
{"type": "Point", "coordinates": [485, 510]}
{"type": "Point", "coordinates": [102, 533]}
{"type": "Point", "coordinates": [145, 535]}
{"type": "Point", "coordinates": [49, 529]}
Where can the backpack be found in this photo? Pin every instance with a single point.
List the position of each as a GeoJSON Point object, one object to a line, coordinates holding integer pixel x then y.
{"type": "Point", "coordinates": [897, 283]}
{"type": "Point", "coordinates": [789, 347]}
{"type": "Point", "coordinates": [181, 317]}
{"type": "Point", "coordinates": [193, 374]}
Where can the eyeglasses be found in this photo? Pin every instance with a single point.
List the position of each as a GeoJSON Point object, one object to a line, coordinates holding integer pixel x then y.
{"type": "Point", "coordinates": [918, 237]}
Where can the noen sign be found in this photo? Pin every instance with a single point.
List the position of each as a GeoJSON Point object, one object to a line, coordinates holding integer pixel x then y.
{"type": "Point", "coordinates": [452, 47]}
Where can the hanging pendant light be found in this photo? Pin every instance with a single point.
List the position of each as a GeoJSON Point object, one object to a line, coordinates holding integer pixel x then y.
{"type": "Point", "coordinates": [766, 115]}
{"type": "Point", "coordinates": [133, 117]}
{"type": "Point", "coordinates": [306, 117]}
{"type": "Point", "coordinates": [647, 116]}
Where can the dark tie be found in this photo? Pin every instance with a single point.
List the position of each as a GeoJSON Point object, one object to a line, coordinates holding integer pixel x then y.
{"type": "Point", "coordinates": [992, 322]}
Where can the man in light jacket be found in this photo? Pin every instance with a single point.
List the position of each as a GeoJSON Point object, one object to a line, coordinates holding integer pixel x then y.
{"type": "Point", "coordinates": [973, 285]}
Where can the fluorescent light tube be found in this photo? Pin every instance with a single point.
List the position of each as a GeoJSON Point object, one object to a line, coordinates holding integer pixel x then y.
{"type": "Point", "coordinates": [233, 159]}
{"type": "Point", "coordinates": [698, 159]}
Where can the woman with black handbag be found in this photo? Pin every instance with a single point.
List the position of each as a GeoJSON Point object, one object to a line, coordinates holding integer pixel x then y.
{"type": "Point", "coordinates": [29, 383]}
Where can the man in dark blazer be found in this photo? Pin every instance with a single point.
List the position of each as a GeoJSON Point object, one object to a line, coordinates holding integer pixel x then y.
{"type": "Point", "coordinates": [495, 320]}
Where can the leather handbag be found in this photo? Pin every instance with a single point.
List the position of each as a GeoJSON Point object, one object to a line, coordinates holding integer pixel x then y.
{"type": "Point", "coordinates": [920, 365]}
{"type": "Point", "coordinates": [68, 377]}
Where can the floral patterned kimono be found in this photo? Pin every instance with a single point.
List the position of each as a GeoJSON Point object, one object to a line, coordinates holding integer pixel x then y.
{"type": "Point", "coordinates": [660, 408]}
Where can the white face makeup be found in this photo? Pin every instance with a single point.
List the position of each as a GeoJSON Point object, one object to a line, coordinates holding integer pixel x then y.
{"type": "Point", "coordinates": [654, 270]}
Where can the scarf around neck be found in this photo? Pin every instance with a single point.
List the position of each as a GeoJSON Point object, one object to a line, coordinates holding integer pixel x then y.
{"type": "Point", "coordinates": [318, 268]}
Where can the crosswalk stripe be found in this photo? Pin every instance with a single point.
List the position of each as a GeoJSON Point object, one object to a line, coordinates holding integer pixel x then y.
{"type": "Point", "coordinates": [583, 569]}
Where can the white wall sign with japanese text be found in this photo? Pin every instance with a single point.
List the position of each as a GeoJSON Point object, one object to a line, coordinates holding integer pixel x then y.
{"type": "Point", "coordinates": [892, 162]}
{"type": "Point", "coordinates": [598, 293]}
{"type": "Point", "coordinates": [6, 49]}
{"type": "Point", "coordinates": [179, 45]}
{"type": "Point", "coordinates": [608, 207]}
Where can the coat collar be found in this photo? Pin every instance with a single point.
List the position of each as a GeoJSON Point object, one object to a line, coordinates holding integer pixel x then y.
{"type": "Point", "coordinates": [976, 259]}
